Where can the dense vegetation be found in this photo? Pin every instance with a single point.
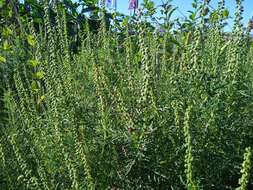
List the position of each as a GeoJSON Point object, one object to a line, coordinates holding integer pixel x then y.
{"type": "Point", "coordinates": [129, 106]}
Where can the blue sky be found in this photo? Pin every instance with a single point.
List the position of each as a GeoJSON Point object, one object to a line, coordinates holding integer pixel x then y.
{"type": "Point", "coordinates": [185, 5]}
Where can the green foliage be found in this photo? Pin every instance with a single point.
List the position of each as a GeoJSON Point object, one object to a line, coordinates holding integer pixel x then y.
{"type": "Point", "coordinates": [246, 168]}
{"type": "Point", "coordinates": [126, 106]}
{"type": "Point", "coordinates": [2, 59]}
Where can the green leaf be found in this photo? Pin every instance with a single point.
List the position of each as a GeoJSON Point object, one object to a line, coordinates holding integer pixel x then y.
{"type": "Point", "coordinates": [192, 16]}
{"type": "Point", "coordinates": [20, 178]}
{"type": "Point", "coordinates": [33, 62]}
{"type": "Point", "coordinates": [1, 3]}
{"type": "Point", "coordinates": [2, 59]}
{"type": "Point", "coordinates": [35, 86]}
{"type": "Point", "coordinates": [39, 75]}
{"type": "Point", "coordinates": [214, 15]}
{"type": "Point", "coordinates": [125, 21]}
{"type": "Point", "coordinates": [10, 13]}
{"type": "Point", "coordinates": [41, 99]}
{"type": "Point", "coordinates": [6, 46]}
{"type": "Point", "coordinates": [37, 20]}
{"type": "Point", "coordinates": [31, 40]}
{"type": "Point", "coordinates": [7, 32]}
{"type": "Point", "coordinates": [225, 13]}
{"type": "Point", "coordinates": [194, 5]}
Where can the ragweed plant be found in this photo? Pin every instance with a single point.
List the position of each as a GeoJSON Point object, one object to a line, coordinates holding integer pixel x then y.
{"type": "Point", "coordinates": [128, 105]}
{"type": "Point", "coordinates": [246, 168]}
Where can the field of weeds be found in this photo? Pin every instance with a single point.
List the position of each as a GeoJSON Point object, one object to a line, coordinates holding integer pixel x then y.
{"type": "Point", "coordinates": [125, 105]}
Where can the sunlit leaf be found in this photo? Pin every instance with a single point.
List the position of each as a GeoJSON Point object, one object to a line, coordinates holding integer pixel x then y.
{"type": "Point", "coordinates": [41, 99]}
{"type": "Point", "coordinates": [33, 62]}
{"type": "Point", "coordinates": [39, 75]}
{"type": "Point", "coordinates": [31, 40]}
{"type": "Point", "coordinates": [34, 86]}
{"type": "Point", "coordinates": [1, 3]}
{"type": "Point", "coordinates": [192, 16]}
{"type": "Point", "coordinates": [125, 21]}
{"type": "Point", "coordinates": [7, 32]}
{"type": "Point", "coordinates": [225, 13]}
{"type": "Point", "coordinates": [2, 59]}
{"type": "Point", "coordinates": [6, 46]}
